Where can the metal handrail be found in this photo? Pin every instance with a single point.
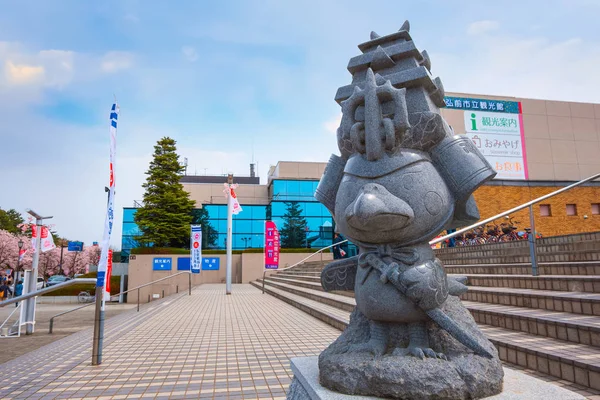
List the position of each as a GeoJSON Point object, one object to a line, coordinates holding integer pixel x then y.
{"type": "Point", "coordinates": [299, 262]}
{"type": "Point", "coordinates": [47, 290]}
{"type": "Point", "coordinates": [123, 292]}
{"type": "Point", "coordinates": [512, 210]}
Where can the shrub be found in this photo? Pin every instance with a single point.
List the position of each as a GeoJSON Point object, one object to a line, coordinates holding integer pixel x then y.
{"type": "Point", "coordinates": [74, 290]}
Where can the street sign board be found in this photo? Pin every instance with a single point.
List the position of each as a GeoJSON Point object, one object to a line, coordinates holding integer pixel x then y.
{"type": "Point", "coordinates": [75, 246]}
{"type": "Point", "coordinates": [162, 264]}
{"type": "Point", "coordinates": [211, 263]}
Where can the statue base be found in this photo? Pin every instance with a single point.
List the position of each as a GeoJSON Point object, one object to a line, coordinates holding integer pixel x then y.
{"type": "Point", "coordinates": [517, 386]}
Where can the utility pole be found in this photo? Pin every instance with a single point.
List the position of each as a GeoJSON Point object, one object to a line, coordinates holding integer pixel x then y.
{"type": "Point", "coordinates": [30, 303]}
{"type": "Point", "coordinates": [229, 234]}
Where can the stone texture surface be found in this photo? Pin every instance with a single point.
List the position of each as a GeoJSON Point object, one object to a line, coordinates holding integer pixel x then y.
{"type": "Point", "coordinates": [517, 386]}
{"type": "Point", "coordinates": [465, 375]}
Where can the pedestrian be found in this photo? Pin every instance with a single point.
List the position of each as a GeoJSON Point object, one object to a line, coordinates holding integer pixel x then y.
{"type": "Point", "coordinates": [337, 248]}
{"type": "Point", "coordinates": [4, 290]}
{"type": "Point", "coordinates": [18, 290]}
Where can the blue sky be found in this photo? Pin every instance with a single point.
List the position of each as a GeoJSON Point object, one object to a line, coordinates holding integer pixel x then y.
{"type": "Point", "coordinates": [225, 77]}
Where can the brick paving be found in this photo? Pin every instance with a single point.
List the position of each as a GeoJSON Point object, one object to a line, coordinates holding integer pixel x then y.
{"type": "Point", "coordinates": [207, 345]}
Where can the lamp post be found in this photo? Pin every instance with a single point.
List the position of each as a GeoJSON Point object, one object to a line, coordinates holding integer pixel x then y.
{"type": "Point", "coordinates": [30, 303]}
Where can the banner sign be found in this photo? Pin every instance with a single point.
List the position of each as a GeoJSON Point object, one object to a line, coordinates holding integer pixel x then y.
{"type": "Point", "coordinates": [108, 275]}
{"type": "Point", "coordinates": [271, 245]}
{"type": "Point", "coordinates": [110, 215]}
{"type": "Point", "coordinates": [183, 264]}
{"type": "Point", "coordinates": [236, 208]}
{"type": "Point", "coordinates": [162, 264]}
{"type": "Point", "coordinates": [47, 239]}
{"type": "Point", "coordinates": [461, 103]}
{"type": "Point", "coordinates": [211, 263]}
{"type": "Point", "coordinates": [500, 138]}
{"type": "Point", "coordinates": [196, 249]}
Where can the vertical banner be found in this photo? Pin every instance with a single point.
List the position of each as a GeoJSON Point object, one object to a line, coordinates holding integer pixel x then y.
{"type": "Point", "coordinates": [109, 220]}
{"type": "Point", "coordinates": [271, 245]}
{"type": "Point", "coordinates": [196, 249]}
{"type": "Point", "coordinates": [236, 208]}
{"type": "Point", "coordinates": [108, 275]}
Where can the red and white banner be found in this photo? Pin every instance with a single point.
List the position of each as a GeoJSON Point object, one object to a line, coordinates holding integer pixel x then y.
{"type": "Point", "coordinates": [108, 275]}
{"type": "Point", "coordinates": [271, 245]}
{"type": "Point", "coordinates": [47, 239]}
{"type": "Point", "coordinates": [236, 208]}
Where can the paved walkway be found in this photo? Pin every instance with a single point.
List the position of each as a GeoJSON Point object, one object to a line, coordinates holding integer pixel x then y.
{"type": "Point", "coordinates": [207, 345]}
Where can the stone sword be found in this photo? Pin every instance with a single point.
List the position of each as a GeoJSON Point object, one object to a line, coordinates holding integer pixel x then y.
{"type": "Point", "coordinates": [436, 314]}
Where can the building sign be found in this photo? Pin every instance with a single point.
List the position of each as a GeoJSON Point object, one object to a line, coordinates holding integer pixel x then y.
{"type": "Point", "coordinates": [196, 249]}
{"type": "Point", "coordinates": [271, 245]}
{"type": "Point", "coordinates": [211, 263]}
{"type": "Point", "coordinates": [500, 138]}
{"type": "Point", "coordinates": [162, 264]}
{"type": "Point", "coordinates": [183, 264]}
{"type": "Point", "coordinates": [75, 246]}
{"type": "Point", "coordinates": [501, 106]}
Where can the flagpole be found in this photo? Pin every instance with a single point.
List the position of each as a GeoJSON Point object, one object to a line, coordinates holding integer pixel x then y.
{"type": "Point", "coordinates": [229, 234]}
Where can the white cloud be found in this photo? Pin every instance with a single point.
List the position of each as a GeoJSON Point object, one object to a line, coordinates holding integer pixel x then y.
{"type": "Point", "coordinates": [115, 61]}
{"type": "Point", "coordinates": [333, 124]}
{"type": "Point", "coordinates": [481, 27]}
{"type": "Point", "coordinates": [189, 53]}
{"type": "Point", "coordinates": [22, 74]}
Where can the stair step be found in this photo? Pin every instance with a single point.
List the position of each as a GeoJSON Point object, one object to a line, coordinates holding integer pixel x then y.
{"type": "Point", "coordinates": [335, 300]}
{"type": "Point", "coordinates": [572, 302]}
{"type": "Point", "coordinates": [315, 285]}
{"type": "Point", "coordinates": [576, 363]}
{"type": "Point", "coordinates": [574, 328]}
{"type": "Point", "coordinates": [330, 315]}
{"type": "Point", "coordinates": [567, 283]}
{"type": "Point", "coordinates": [575, 268]}
{"type": "Point", "coordinates": [308, 278]}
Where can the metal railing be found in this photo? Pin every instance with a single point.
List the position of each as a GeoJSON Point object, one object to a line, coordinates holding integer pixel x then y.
{"type": "Point", "coordinates": [299, 262]}
{"type": "Point", "coordinates": [531, 237]}
{"type": "Point", "coordinates": [47, 290]}
{"type": "Point", "coordinates": [51, 327]}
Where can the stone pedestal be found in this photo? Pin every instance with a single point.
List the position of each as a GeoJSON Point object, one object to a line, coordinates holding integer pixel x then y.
{"type": "Point", "coordinates": [517, 386]}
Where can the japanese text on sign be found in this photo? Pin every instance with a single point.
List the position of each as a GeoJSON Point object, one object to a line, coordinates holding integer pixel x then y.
{"type": "Point", "coordinates": [461, 103]}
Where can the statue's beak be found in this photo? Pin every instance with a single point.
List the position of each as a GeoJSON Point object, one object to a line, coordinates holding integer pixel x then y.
{"type": "Point", "coordinates": [377, 209]}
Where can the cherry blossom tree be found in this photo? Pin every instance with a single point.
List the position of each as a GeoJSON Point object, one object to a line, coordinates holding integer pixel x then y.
{"type": "Point", "coordinates": [49, 263]}
{"type": "Point", "coordinates": [75, 262]}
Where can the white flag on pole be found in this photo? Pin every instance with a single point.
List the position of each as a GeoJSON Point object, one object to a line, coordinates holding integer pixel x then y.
{"type": "Point", "coordinates": [108, 222]}
{"type": "Point", "coordinates": [235, 207]}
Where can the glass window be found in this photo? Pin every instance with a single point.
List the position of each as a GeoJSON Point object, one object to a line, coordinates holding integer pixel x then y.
{"type": "Point", "coordinates": [221, 226]}
{"type": "Point", "coordinates": [571, 209]}
{"type": "Point", "coordinates": [128, 214]}
{"type": "Point", "coordinates": [293, 190]}
{"type": "Point", "coordinates": [258, 226]}
{"type": "Point", "coordinates": [130, 228]}
{"type": "Point", "coordinates": [222, 211]}
{"type": "Point", "coordinates": [259, 212]}
{"type": "Point", "coordinates": [314, 209]}
{"type": "Point", "coordinates": [278, 208]}
{"type": "Point", "coordinates": [545, 210]}
{"type": "Point", "coordinates": [595, 208]}
{"type": "Point", "coordinates": [279, 190]}
{"type": "Point", "coordinates": [242, 226]}
{"type": "Point", "coordinates": [306, 189]}
{"type": "Point", "coordinates": [213, 211]}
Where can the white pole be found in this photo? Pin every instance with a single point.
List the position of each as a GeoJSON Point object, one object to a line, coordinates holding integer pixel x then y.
{"type": "Point", "coordinates": [229, 234]}
{"type": "Point", "coordinates": [30, 312]}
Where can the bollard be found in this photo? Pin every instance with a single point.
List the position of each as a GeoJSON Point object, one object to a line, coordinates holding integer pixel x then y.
{"type": "Point", "coordinates": [177, 289]}
{"type": "Point", "coordinates": [138, 300]}
{"type": "Point", "coordinates": [51, 325]}
{"type": "Point", "coordinates": [148, 298]}
{"type": "Point", "coordinates": [190, 284]}
{"type": "Point", "coordinates": [163, 293]}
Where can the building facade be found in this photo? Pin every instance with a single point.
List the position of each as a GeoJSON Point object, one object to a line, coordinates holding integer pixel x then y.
{"type": "Point", "coordinates": [535, 146]}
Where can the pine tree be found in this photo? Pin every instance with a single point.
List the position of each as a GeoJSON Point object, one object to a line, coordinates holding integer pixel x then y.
{"type": "Point", "coordinates": [165, 218]}
{"type": "Point", "coordinates": [9, 220]}
{"type": "Point", "coordinates": [293, 233]}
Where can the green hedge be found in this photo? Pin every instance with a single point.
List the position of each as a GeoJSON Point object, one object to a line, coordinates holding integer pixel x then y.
{"type": "Point", "coordinates": [174, 250]}
{"type": "Point", "coordinates": [74, 290]}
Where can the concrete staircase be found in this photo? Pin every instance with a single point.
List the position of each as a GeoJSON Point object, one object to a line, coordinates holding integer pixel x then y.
{"type": "Point", "coordinates": [549, 323]}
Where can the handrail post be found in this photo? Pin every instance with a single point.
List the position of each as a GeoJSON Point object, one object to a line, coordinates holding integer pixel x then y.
{"type": "Point", "coordinates": [51, 325]}
{"type": "Point", "coordinates": [138, 300]}
{"type": "Point", "coordinates": [263, 281]}
{"type": "Point", "coordinates": [163, 293]}
{"type": "Point", "coordinates": [177, 289]}
{"type": "Point", "coordinates": [190, 284]}
{"type": "Point", "coordinates": [532, 249]}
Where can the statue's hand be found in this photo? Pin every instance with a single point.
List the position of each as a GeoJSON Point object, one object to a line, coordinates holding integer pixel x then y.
{"type": "Point", "coordinates": [426, 284]}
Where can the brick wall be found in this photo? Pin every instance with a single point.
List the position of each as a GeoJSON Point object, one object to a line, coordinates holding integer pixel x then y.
{"type": "Point", "coordinates": [493, 200]}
